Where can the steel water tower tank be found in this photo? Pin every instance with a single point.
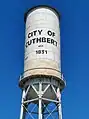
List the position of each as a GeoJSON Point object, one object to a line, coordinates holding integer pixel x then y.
{"type": "Point", "coordinates": [42, 79]}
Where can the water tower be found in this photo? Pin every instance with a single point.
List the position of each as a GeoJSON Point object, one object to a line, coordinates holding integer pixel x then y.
{"type": "Point", "coordinates": [42, 80]}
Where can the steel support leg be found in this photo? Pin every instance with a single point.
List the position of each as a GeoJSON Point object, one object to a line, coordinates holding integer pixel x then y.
{"type": "Point", "coordinates": [22, 112]}
{"type": "Point", "coordinates": [60, 111]}
{"type": "Point", "coordinates": [59, 105]}
{"type": "Point", "coordinates": [40, 101]}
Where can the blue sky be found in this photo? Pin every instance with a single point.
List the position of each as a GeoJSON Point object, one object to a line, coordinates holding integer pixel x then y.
{"type": "Point", "coordinates": [75, 55]}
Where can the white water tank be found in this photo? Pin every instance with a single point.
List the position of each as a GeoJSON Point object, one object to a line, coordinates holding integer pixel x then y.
{"type": "Point", "coordinates": [42, 42]}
